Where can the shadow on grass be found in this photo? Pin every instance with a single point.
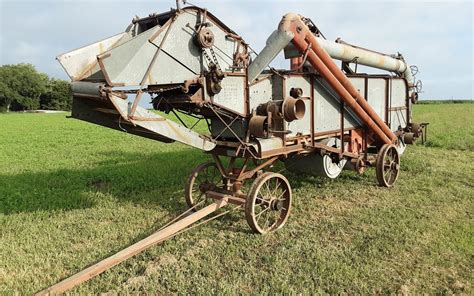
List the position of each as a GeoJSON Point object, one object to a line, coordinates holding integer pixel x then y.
{"type": "Point", "coordinates": [151, 180]}
{"type": "Point", "coordinates": [154, 180]}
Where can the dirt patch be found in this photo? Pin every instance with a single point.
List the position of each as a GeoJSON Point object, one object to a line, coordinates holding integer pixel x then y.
{"type": "Point", "coordinates": [197, 247]}
{"type": "Point", "coordinates": [155, 266]}
{"type": "Point", "coordinates": [153, 269]}
{"type": "Point", "coordinates": [167, 259]}
{"type": "Point", "coordinates": [458, 286]}
{"type": "Point", "coordinates": [404, 290]}
{"type": "Point", "coordinates": [109, 293]}
{"type": "Point", "coordinates": [136, 281]}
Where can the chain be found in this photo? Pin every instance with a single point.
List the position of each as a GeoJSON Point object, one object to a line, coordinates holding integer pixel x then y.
{"type": "Point", "coordinates": [161, 90]}
{"type": "Point", "coordinates": [204, 53]}
{"type": "Point", "coordinates": [214, 58]}
{"type": "Point", "coordinates": [151, 91]}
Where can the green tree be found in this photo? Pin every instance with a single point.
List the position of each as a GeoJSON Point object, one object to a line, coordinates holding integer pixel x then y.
{"type": "Point", "coordinates": [57, 97]}
{"type": "Point", "coordinates": [21, 87]}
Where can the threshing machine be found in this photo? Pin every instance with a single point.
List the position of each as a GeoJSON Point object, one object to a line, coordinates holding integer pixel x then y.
{"type": "Point", "coordinates": [317, 117]}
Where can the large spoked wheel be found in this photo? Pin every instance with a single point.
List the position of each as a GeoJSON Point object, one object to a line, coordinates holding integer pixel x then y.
{"type": "Point", "coordinates": [387, 165]}
{"type": "Point", "coordinates": [205, 177]}
{"type": "Point", "coordinates": [268, 203]}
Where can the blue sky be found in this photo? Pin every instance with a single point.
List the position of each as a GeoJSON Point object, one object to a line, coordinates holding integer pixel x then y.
{"type": "Point", "coordinates": [437, 36]}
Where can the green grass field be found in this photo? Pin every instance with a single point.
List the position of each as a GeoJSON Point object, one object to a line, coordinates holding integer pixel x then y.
{"type": "Point", "coordinates": [72, 193]}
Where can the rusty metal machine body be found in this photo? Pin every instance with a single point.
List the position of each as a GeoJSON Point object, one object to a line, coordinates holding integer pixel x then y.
{"type": "Point", "coordinates": [316, 117]}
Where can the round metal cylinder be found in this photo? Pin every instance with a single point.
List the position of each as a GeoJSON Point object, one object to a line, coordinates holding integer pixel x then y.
{"type": "Point", "coordinates": [87, 88]}
{"type": "Point", "coordinates": [293, 109]}
{"type": "Point", "coordinates": [258, 126]}
{"type": "Point", "coordinates": [409, 138]}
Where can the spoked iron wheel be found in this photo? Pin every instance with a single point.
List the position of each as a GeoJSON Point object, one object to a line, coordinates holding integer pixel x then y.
{"type": "Point", "coordinates": [205, 177]}
{"type": "Point", "coordinates": [387, 165]}
{"type": "Point", "coordinates": [268, 203]}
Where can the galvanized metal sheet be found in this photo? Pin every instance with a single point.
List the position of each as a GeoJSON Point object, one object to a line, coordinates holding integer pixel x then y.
{"type": "Point", "coordinates": [398, 92]}
{"type": "Point", "coordinates": [232, 95]}
{"type": "Point", "coordinates": [82, 63]}
{"type": "Point", "coordinates": [327, 109]}
{"type": "Point", "coordinates": [376, 95]}
{"type": "Point", "coordinates": [398, 113]}
{"type": "Point", "coordinates": [177, 57]}
{"type": "Point", "coordinates": [261, 92]}
{"type": "Point", "coordinates": [180, 58]}
{"type": "Point", "coordinates": [359, 84]}
{"type": "Point", "coordinates": [303, 125]}
{"type": "Point", "coordinates": [277, 87]}
{"type": "Point", "coordinates": [302, 82]}
{"type": "Point", "coordinates": [266, 145]}
{"type": "Point", "coordinates": [127, 64]}
{"type": "Point", "coordinates": [162, 126]}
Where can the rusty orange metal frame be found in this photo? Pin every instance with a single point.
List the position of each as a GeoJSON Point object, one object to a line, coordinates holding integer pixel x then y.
{"type": "Point", "coordinates": [305, 41]}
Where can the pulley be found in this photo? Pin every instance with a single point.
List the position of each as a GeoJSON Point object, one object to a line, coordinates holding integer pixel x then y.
{"type": "Point", "coordinates": [258, 126]}
{"type": "Point", "coordinates": [293, 109]}
{"type": "Point", "coordinates": [205, 38]}
{"type": "Point", "coordinates": [213, 79]}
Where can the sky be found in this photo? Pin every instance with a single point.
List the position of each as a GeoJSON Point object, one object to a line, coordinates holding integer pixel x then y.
{"type": "Point", "coordinates": [437, 36]}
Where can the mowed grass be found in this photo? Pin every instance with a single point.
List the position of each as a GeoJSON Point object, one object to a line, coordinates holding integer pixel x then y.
{"type": "Point", "coordinates": [451, 125]}
{"type": "Point", "coordinates": [72, 194]}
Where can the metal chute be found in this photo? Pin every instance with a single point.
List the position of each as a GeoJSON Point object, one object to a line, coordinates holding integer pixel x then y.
{"type": "Point", "coordinates": [140, 57]}
{"type": "Point", "coordinates": [95, 103]}
{"type": "Point", "coordinates": [82, 63]}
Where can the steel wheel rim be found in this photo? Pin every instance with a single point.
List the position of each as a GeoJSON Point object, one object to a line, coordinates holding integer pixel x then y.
{"type": "Point", "coordinates": [270, 203]}
{"type": "Point", "coordinates": [388, 166]}
{"type": "Point", "coordinates": [391, 165]}
{"type": "Point", "coordinates": [205, 177]}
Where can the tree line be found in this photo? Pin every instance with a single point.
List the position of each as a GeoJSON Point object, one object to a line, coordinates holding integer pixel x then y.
{"type": "Point", "coordinates": [23, 88]}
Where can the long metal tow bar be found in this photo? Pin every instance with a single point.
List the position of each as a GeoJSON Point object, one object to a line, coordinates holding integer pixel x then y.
{"type": "Point", "coordinates": [173, 228]}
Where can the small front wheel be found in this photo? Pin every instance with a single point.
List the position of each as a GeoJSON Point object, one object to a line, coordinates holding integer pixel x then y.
{"type": "Point", "coordinates": [205, 177]}
{"type": "Point", "coordinates": [268, 203]}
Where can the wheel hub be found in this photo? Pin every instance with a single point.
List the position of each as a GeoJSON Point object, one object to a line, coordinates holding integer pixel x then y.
{"type": "Point", "coordinates": [394, 166]}
{"type": "Point", "coordinates": [268, 202]}
{"type": "Point", "coordinates": [276, 205]}
{"type": "Point", "coordinates": [205, 187]}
